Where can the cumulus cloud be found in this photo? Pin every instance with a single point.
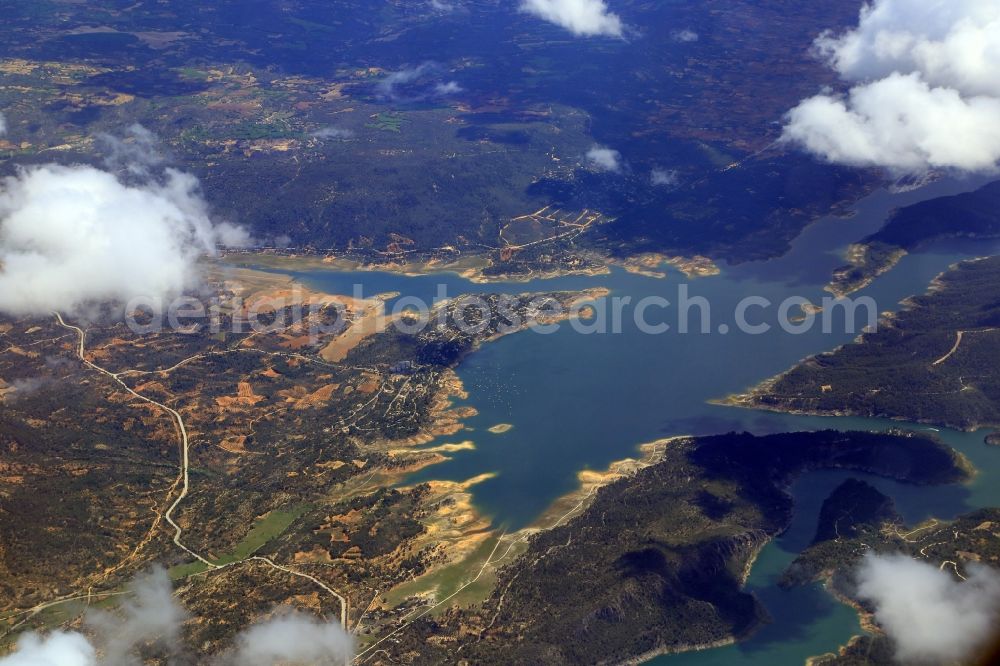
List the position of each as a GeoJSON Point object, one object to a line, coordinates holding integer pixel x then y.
{"type": "Point", "coordinates": [72, 236]}
{"type": "Point", "coordinates": [57, 649]}
{"type": "Point", "coordinates": [292, 638]}
{"type": "Point", "coordinates": [333, 133]}
{"type": "Point", "coordinates": [136, 153]}
{"type": "Point", "coordinates": [685, 36]}
{"type": "Point", "coordinates": [954, 44]}
{"type": "Point", "coordinates": [605, 159]}
{"type": "Point", "coordinates": [449, 88]}
{"type": "Point", "coordinates": [417, 83]}
{"type": "Point", "coordinates": [3, 125]}
{"type": "Point", "coordinates": [663, 177]}
{"type": "Point", "coordinates": [150, 616]}
{"type": "Point", "coordinates": [924, 94]}
{"type": "Point", "coordinates": [901, 123]}
{"type": "Point", "coordinates": [931, 617]}
{"type": "Point", "coordinates": [584, 18]}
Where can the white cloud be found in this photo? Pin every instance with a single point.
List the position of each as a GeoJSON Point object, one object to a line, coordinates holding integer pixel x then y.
{"type": "Point", "coordinates": [585, 18]}
{"type": "Point", "coordinates": [605, 159]}
{"type": "Point", "coordinates": [685, 36]}
{"type": "Point", "coordinates": [662, 177]}
{"type": "Point", "coordinates": [416, 83]}
{"type": "Point", "coordinates": [136, 153]}
{"type": "Point", "coordinates": [953, 44]}
{"type": "Point", "coordinates": [3, 125]}
{"type": "Point", "coordinates": [150, 615]}
{"type": "Point", "coordinates": [925, 93]}
{"type": "Point", "coordinates": [71, 236]}
{"type": "Point", "coordinates": [332, 133]}
{"type": "Point", "coordinates": [57, 649]}
{"type": "Point", "coordinates": [901, 123]}
{"type": "Point", "coordinates": [929, 615]}
{"type": "Point", "coordinates": [449, 88]}
{"type": "Point", "coordinates": [388, 85]}
{"type": "Point", "coordinates": [292, 638]}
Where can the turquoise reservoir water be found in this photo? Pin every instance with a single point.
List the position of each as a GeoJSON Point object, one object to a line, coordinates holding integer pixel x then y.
{"type": "Point", "coordinates": [580, 400]}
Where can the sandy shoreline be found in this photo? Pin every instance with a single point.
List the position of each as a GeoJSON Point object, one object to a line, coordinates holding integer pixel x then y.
{"type": "Point", "coordinates": [470, 268]}
{"type": "Point", "coordinates": [572, 503]}
{"type": "Point", "coordinates": [473, 267]}
{"type": "Point", "coordinates": [746, 401]}
{"type": "Point", "coordinates": [680, 649]}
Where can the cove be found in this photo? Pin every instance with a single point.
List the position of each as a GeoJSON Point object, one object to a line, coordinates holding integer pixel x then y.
{"type": "Point", "coordinates": [579, 401]}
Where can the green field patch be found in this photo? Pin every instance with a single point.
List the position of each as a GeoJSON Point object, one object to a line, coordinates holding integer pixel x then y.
{"type": "Point", "coordinates": [388, 122]}
{"type": "Point", "coordinates": [447, 581]}
{"type": "Point", "coordinates": [264, 529]}
{"type": "Point", "coordinates": [193, 74]}
{"type": "Point", "coordinates": [186, 570]}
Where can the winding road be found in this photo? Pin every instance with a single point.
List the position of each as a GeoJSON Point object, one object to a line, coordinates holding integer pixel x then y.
{"type": "Point", "coordinates": [184, 477]}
